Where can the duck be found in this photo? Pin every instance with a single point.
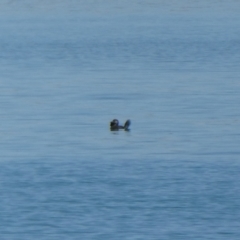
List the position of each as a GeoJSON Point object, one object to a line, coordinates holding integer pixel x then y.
{"type": "Point", "coordinates": [114, 125]}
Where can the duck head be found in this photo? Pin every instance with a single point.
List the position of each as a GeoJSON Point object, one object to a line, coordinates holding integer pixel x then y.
{"type": "Point", "coordinates": [114, 123]}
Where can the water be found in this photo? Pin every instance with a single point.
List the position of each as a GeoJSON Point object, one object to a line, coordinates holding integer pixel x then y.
{"type": "Point", "coordinates": [68, 68]}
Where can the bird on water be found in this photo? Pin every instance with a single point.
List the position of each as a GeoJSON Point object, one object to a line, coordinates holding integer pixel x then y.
{"type": "Point", "coordinates": [114, 125]}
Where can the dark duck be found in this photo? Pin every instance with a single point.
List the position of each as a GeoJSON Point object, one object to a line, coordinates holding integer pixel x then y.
{"type": "Point", "coordinates": [114, 125]}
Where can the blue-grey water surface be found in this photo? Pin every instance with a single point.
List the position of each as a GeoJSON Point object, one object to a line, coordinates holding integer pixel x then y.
{"type": "Point", "coordinates": [67, 68]}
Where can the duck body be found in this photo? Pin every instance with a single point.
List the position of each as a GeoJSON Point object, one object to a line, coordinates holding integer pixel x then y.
{"type": "Point", "coordinates": [114, 125]}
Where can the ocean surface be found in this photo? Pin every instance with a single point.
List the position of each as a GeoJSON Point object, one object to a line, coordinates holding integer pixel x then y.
{"type": "Point", "coordinates": [67, 68]}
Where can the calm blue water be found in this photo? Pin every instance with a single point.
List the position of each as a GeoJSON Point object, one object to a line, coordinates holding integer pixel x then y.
{"type": "Point", "coordinates": [68, 68]}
